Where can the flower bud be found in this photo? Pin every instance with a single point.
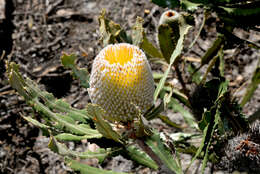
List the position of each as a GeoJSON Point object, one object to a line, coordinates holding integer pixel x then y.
{"type": "Point", "coordinates": [169, 17]}
{"type": "Point", "coordinates": [121, 81]}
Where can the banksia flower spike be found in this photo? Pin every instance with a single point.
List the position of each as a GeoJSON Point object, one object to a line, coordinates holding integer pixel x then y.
{"type": "Point", "coordinates": [121, 82]}
{"type": "Point", "coordinates": [169, 32]}
{"type": "Point", "coordinates": [169, 16]}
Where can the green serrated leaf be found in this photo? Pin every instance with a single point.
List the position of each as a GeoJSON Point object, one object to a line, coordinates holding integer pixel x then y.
{"type": "Point", "coordinates": [202, 145]}
{"type": "Point", "coordinates": [206, 155]}
{"type": "Point", "coordinates": [166, 120]}
{"type": "Point", "coordinates": [36, 123]}
{"type": "Point", "coordinates": [178, 95]}
{"type": "Point", "coordinates": [72, 137]}
{"type": "Point", "coordinates": [188, 117]}
{"type": "Point", "coordinates": [140, 157]}
{"type": "Point", "coordinates": [211, 65]}
{"type": "Point", "coordinates": [154, 111]}
{"type": "Point", "coordinates": [83, 75]}
{"type": "Point", "coordinates": [86, 169]}
{"type": "Point", "coordinates": [62, 103]}
{"type": "Point", "coordinates": [66, 118]}
{"type": "Point", "coordinates": [210, 53]}
{"type": "Point", "coordinates": [223, 88]}
{"type": "Point", "coordinates": [76, 117]}
{"type": "Point", "coordinates": [62, 149]}
{"type": "Point", "coordinates": [34, 95]}
{"type": "Point", "coordinates": [184, 28]}
{"type": "Point", "coordinates": [68, 61]}
{"type": "Point", "coordinates": [86, 126]}
{"type": "Point", "coordinates": [168, 37]}
{"type": "Point", "coordinates": [156, 144]}
{"type": "Point", "coordinates": [16, 80]}
{"type": "Point", "coordinates": [57, 105]}
{"type": "Point", "coordinates": [216, 88]}
{"type": "Point", "coordinates": [205, 120]}
{"type": "Point", "coordinates": [181, 97]}
{"type": "Point", "coordinates": [157, 75]}
{"type": "Point", "coordinates": [73, 128]}
{"type": "Point", "coordinates": [208, 125]}
{"type": "Point", "coordinates": [98, 115]}
{"type": "Point", "coordinates": [150, 49]}
{"type": "Point", "coordinates": [255, 81]}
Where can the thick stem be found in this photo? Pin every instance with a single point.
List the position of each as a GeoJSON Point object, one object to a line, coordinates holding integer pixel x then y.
{"type": "Point", "coordinates": [179, 75]}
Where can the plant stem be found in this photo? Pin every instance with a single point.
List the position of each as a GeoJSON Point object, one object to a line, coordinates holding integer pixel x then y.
{"type": "Point", "coordinates": [185, 90]}
{"type": "Point", "coordinates": [149, 151]}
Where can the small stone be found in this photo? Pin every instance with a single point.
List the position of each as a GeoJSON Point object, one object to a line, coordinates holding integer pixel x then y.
{"type": "Point", "coordinates": [2, 9]}
{"type": "Point", "coordinates": [239, 78]}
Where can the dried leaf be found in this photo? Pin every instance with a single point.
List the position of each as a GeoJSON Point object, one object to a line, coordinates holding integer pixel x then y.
{"type": "Point", "coordinates": [139, 39]}
{"type": "Point", "coordinates": [110, 31]}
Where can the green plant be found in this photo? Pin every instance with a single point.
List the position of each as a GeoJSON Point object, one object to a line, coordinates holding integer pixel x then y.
{"type": "Point", "coordinates": [211, 102]}
{"type": "Point", "coordinates": [215, 113]}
